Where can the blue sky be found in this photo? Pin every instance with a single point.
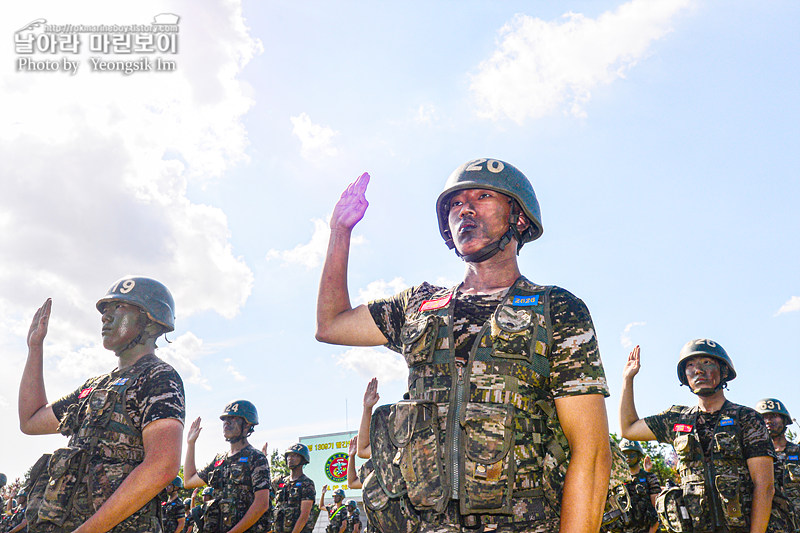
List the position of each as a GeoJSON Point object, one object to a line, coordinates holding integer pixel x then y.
{"type": "Point", "coordinates": [661, 138]}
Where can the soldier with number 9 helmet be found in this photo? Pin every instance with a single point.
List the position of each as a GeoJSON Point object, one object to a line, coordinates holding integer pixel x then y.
{"type": "Point", "coordinates": [151, 296]}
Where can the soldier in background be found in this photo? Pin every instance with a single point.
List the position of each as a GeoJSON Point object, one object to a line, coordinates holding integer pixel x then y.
{"type": "Point", "coordinates": [353, 521]}
{"type": "Point", "coordinates": [787, 463]}
{"type": "Point", "coordinates": [240, 478]}
{"type": "Point", "coordinates": [716, 436]}
{"type": "Point", "coordinates": [496, 347]}
{"type": "Point", "coordinates": [337, 513]}
{"type": "Point", "coordinates": [125, 427]}
{"type": "Point", "coordinates": [17, 522]}
{"type": "Point", "coordinates": [172, 514]}
{"type": "Point", "coordinates": [294, 501]}
{"type": "Point", "coordinates": [643, 490]}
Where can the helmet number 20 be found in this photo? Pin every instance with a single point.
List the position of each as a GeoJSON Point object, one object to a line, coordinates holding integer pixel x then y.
{"type": "Point", "coordinates": [492, 165]}
{"type": "Point", "coordinates": [127, 286]}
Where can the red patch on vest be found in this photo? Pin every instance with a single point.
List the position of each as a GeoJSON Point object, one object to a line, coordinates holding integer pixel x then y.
{"type": "Point", "coordinates": [218, 463]}
{"type": "Point", "coordinates": [438, 303]}
{"type": "Point", "coordinates": [682, 428]}
{"type": "Point", "coordinates": [85, 392]}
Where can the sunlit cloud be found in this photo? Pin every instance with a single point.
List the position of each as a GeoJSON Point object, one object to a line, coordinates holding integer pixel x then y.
{"type": "Point", "coordinates": [625, 338]}
{"type": "Point", "coordinates": [386, 365]}
{"type": "Point", "coordinates": [315, 140]}
{"type": "Point", "coordinates": [792, 305]}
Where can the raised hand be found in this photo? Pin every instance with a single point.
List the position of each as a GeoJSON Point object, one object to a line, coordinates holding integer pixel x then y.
{"type": "Point", "coordinates": [194, 431]}
{"type": "Point", "coordinates": [352, 205]}
{"type": "Point", "coordinates": [38, 329]}
{"type": "Point", "coordinates": [353, 445]}
{"type": "Point", "coordinates": [265, 449]}
{"type": "Point", "coordinates": [371, 395]}
{"type": "Point", "coordinates": [632, 365]}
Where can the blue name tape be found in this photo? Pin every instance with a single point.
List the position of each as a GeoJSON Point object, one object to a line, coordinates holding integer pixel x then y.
{"type": "Point", "coordinates": [525, 300]}
{"type": "Point", "coordinates": [726, 422]}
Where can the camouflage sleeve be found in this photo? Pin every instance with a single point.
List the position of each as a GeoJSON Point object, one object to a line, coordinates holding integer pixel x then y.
{"type": "Point", "coordinates": [61, 405]}
{"type": "Point", "coordinates": [576, 367]}
{"type": "Point", "coordinates": [653, 485]}
{"type": "Point", "coordinates": [160, 395]}
{"type": "Point", "coordinates": [260, 472]}
{"type": "Point", "coordinates": [389, 314]}
{"type": "Point", "coordinates": [662, 425]}
{"type": "Point", "coordinates": [755, 436]}
{"type": "Point", "coordinates": [308, 491]}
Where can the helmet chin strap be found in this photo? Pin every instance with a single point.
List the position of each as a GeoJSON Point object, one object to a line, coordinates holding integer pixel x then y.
{"type": "Point", "coordinates": [491, 249]}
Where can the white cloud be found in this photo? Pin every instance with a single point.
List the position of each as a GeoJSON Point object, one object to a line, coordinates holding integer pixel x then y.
{"type": "Point", "coordinates": [181, 354]}
{"type": "Point", "coordinates": [540, 67]}
{"type": "Point", "coordinates": [387, 366]}
{"type": "Point", "coordinates": [426, 114]}
{"type": "Point", "coordinates": [792, 305]}
{"type": "Point", "coordinates": [311, 254]}
{"type": "Point", "coordinates": [315, 140]}
{"type": "Point", "coordinates": [233, 371]}
{"type": "Point", "coordinates": [380, 289]}
{"type": "Point", "coordinates": [625, 338]}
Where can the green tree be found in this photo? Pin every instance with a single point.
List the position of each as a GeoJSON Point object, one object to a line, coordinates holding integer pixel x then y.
{"type": "Point", "coordinates": [277, 464]}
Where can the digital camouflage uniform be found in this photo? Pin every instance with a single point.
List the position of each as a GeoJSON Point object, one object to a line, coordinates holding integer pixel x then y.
{"type": "Point", "coordinates": [337, 516]}
{"type": "Point", "coordinates": [712, 452]}
{"type": "Point", "coordinates": [289, 495]}
{"type": "Point", "coordinates": [480, 439]}
{"type": "Point", "coordinates": [642, 485]}
{"type": "Point", "coordinates": [787, 488]}
{"type": "Point", "coordinates": [171, 513]}
{"type": "Point", "coordinates": [352, 519]}
{"type": "Point", "coordinates": [14, 519]}
{"type": "Point", "coordinates": [235, 480]}
{"type": "Point", "coordinates": [104, 420]}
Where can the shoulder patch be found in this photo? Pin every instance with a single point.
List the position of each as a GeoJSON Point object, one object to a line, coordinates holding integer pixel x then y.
{"type": "Point", "coordinates": [525, 300]}
{"type": "Point", "coordinates": [682, 428]}
{"type": "Point", "coordinates": [120, 381]}
{"type": "Point", "coordinates": [85, 392]}
{"type": "Point", "coordinates": [438, 303]}
{"type": "Point", "coordinates": [792, 457]}
{"type": "Point", "coordinates": [243, 459]}
{"type": "Point", "coordinates": [726, 421]}
{"type": "Point", "coordinates": [219, 462]}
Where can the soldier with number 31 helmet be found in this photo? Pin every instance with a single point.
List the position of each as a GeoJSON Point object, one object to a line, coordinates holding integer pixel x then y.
{"type": "Point", "coordinates": [240, 478]}
{"type": "Point", "coordinates": [787, 464]}
{"type": "Point", "coordinates": [505, 426]}
{"type": "Point", "coordinates": [124, 424]}
{"type": "Point", "coordinates": [724, 451]}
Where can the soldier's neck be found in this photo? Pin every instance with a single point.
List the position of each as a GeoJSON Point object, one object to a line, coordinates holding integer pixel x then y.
{"type": "Point", "coordinates": [493, 275]}
{"type": "Point", "coordinates": [780, 442]}
{"type": "Point", "coordinates": [129, 357]}
{"type": "Point", "coordinates": [238, 446]}
{"type": "Point", "coordinates": [712, 403]}
{"type": "Point", "coordinates": [296, 472]}
{"type": "Point", "coordinates": [636, 469]}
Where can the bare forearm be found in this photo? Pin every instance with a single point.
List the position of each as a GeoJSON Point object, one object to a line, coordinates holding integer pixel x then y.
{"type": "Point", "coordinates": [32, 394]}
{"type": "Point", "coordinates": [363, 433]}
{"type": "Point", "coordinates": [585, 489]}
{"type": "Point", "coordinates": [352, 476]}
{"type": "Point", "coordinates": [189, 466]}
{"type": "Point", "coordinates": [333, 297]}
{"type": "Point", "coordinates": [762, 503]}
{"type": "Point", "coordinates": [627, 408]}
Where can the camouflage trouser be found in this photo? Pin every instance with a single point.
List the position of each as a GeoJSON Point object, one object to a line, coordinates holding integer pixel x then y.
{"type": "Point", "coordinates": [451, 521]}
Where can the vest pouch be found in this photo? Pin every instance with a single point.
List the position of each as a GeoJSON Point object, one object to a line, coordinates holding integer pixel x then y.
{"type": "Point", "coordinates": [782, 519]}
{"type": "Point", "coordinates": [386, 514]}
{"type": "Point", "coordinates": [513, 330]}
{"type": "Point", "coordinates": [488, 465]}
{"type": "Point", "coordinates": [100, 407]}
{"type": "Point", "coordinates": [687, 447]}
{"type": "Point", "coordinates": [414, 428]}
{"type": "Point", "coordinates": [212, 517]}
{"type": "Point", "coordinates": [384, 452]}
{"type": "Point", "coordinates": [418, 338]}
{"type": "Point", "coordinates": [37, 483]}
{"type": "Point", "coordinates": [697, 505]}
{"type": "Point", "coordinates": [793, 471]}
{"type": "Point", "coordinates": [672, 512]}
{"type": "Point", "coordinates": [727, 446]}
{"type": "Point", "coordinates": [227, 511]}
{"type": "Point", "coordinates": [728, 489]}
{"type": "Point", "coordinates": [616, 514]}
{"type": "Point", "coordinates": [65, 471]}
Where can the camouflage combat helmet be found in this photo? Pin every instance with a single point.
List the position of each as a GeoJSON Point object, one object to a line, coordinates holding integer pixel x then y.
{"type": "Point", "coordinates": [301, 450]}
{"type": "Point", "coordinates": [187, 502]}
{"type": "Point", "coordinates": [242, 409]}
{"type": "Point", "coordinates": [208, 491]}
{"type": "Point", "coordinates": [494, 175]}
{"type": "Point", "coordinates": [338, 492]}
{"type": "Point", "coordinates": [631, 445]}
{"type": "Point", "coordinates": [704, 347]}
{"type": "Point", "coordinates": [177, 482]}
{"type": "Point", "coordinates": [3, 480]}
{"type": "Point", "coordinates": [146, 293]}
{"type": "Point", "coordinates": [352, 504]}
{"type": "Point", "coordinates": [772, 405]}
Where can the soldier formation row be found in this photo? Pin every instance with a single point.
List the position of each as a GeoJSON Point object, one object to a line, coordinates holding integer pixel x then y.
{"type": "Point", "coordinates": [504, 426]}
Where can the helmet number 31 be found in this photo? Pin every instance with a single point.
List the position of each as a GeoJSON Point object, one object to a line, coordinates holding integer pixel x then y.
{"type": "Point", "coordinates": [124, 287]}
{"type": "Point", "coordinates": [492, 165]}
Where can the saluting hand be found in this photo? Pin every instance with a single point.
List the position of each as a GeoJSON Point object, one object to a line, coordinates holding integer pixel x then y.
{"type": "Point", "coordinates": [38, 329]}
{"type": "Point", "coordinates": [194, 431]}
{"type": "Point", "coordinates": [353, 445]}
{"type": "Point", "coordinates": [265, 449]}
{"type": "Point", "coordinates": [371, 395]}
{"type": "Point", "coordinates": [632, 365]}
{"type": "Point", "coordinates": [352, 205]}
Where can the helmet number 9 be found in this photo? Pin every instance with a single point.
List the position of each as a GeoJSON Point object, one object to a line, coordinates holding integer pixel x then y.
{"type": "Point", "coordinates": [492, 165]}
{"type": "Point", "coordinates": [127, 286]}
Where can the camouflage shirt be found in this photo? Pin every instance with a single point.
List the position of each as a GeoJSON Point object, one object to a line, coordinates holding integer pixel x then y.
{"type": "Point", "coordinates": [239, 477]}
{"type": "Point", "coordinates": [353, 519]}
{"type": "Point", "coordinates": [171, 514]}
{"type": "Point", "coordinates": [289, 495]}
{"type": "Point", "coordinates": [754, 434]}
{"type": "Point", "coordinates": [576, 367]}
{"type": "Point", "coordinates": [787, 474]}
{"type": "Point", "coordinates": [337, 516]}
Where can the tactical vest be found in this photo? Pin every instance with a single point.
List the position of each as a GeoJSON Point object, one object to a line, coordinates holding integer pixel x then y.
{"type": "Point", "coordinates": [482, 433]}
{"type": "Point", "coordinates": [642, 513]}
{"type": "Point", "coordinates": [717, 489]}
{"type": "Point", "coordinates": [287, 505]}
{"type": "Point", "coordinates": [232, 482]}
{"type": "Point", "coordinates": [785, 516]}
{"type": "Point", "coordinates": [168, 515]}
{"type": "Point", "coordinates": [338, 516]}
{"type": "Point", "coordinates": [104, 447]}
